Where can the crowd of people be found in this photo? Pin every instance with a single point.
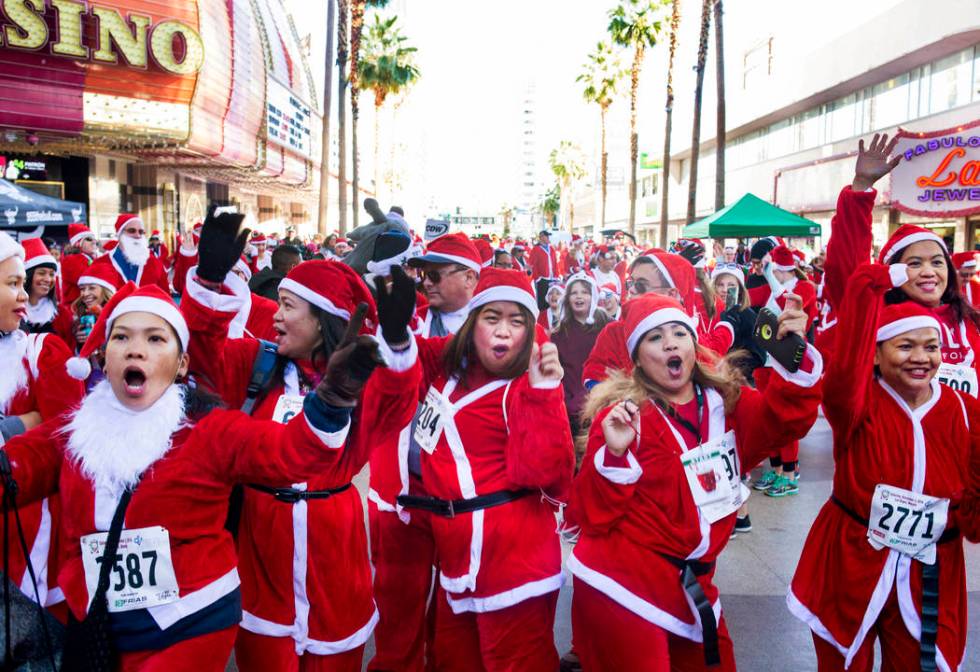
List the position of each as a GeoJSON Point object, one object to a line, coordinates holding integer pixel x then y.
{"type": "Point", "coordinates": [199, 415]}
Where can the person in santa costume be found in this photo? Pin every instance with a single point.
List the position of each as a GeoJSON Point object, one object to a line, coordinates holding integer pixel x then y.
{"type": "Point", "coordinates": [574, 259]}
{"type": "Point", "coordinates": [933, 281]}
{"type": "Point", "coordinates": [131, 259]}
{"type": "Point", "coordinates": [548, 318]}
{"type": "Point", "coordinates": [966, 269]}
{"type": "Point", "coordinates": [782, 477]}
{"type": "Point", "coordinates": [75, 320]}
{"type": "Point", "coordinates": [260, 255]}
{"type": "Point", "coordinates": [884, 558]}
{"type": "Point", "coordinates": [79, 255]}
{"type": "Point", "coordinates": [605, 269]}
{"type": "Point", "coordinates": [42, 288]}
{"type": "Point", "coordinates": [518, 261]}
{"type": "Point", "coordinates": [159, 249]}
{"type": "Point", "coordinates": [179, 604]}
{"type": "Point", "coordinates": [450, 270]}
{"type": "Point", "coordinates": [543, 264]}
{"type": "Point", "coordinates": [34, 387]}
{"type": "Point", "coordinates": [302, 546]}
{"type": "Point", "coordinates": [496, 453]}
{"type": "Point", "coordinates": [186, 257]}
{"type": "Point", "coordinates": [659, 488]}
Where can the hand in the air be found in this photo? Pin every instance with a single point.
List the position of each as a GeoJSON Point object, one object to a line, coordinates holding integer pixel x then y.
{"type": "Point", "coordinates": [792, 320]}
{"type": "Point", "coordinates": [350, 365]}
{"type": "Point", "coordinates": [873, 163]}
{"type": "Point", "coordinates": [396, 306]}
{"type": "Point", "coordinates": [619, 427]}
{"type": "Point", "coordinates": [545, 367]}
{"type": "Point", "coordinates": [221, 245]}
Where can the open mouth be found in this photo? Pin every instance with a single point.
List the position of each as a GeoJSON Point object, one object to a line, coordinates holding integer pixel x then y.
{"type": "Point", "coordinates": [918, 373]}
{"type": "Point", "coordinates": [135, 381]}
{"type": "Point", "coordinates": [675, 366]}
{"type": "Point", "coordinates": [499, 351]}
{"type": "Point", "coordinates": [20, 312]}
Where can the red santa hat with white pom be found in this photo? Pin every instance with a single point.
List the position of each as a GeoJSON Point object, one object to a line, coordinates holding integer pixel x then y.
{"type": "Point", "coordinates": [9, 248]}
{"type": "Point", "coordinates": [125, 219]}
{"type": "Point", "coordinates": [650, 311]}
{"type": "Point", "coordinates": [905, 235]}
{"type": "Point", "coordinates": [498, 284]}
{"type": "Point", "coordinates": [149, 299]}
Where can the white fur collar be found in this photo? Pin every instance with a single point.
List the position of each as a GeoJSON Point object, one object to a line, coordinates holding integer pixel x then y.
{"type": "Point", "coordinates": [113, 445]}
{"type": "Point", "coordinates": [43, 312]}
{"type": "Point", "coordinates": [13, 348]}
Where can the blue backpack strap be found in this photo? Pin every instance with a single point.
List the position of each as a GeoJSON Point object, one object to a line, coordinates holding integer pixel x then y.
{"type": "Point", "coordinates": [263, 371]}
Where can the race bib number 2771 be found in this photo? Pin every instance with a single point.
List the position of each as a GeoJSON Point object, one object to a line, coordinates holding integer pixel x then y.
{"type": "Point", "coordinates": [906, 521]}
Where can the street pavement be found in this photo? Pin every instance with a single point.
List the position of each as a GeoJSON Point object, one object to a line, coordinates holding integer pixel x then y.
{"type": "Point", "coordinates": [756, 568]}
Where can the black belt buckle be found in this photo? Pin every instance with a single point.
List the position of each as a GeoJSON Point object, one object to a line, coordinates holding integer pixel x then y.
{"type": "Point", "coordinates": [451, 510]}
{"type": "Point", "coordinates": [287, 495]}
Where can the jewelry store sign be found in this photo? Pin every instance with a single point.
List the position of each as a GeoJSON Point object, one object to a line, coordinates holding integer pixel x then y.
{"type": "Point", "coordinates": [939, 173]}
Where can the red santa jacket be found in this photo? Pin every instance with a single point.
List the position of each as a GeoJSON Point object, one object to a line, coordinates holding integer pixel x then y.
{"type": "Point", "coordinates": [841, 581]}
{"type": "Point", "coordinates": [186, 491]}
{"type": "Point", "coordinates": [635, 510]}
{"type": "Point", "coordinates": [73, 266]}
{"type": "Point", "coordinates": [504, 435]}
{"type": "Point", "coordinates": [163, 254]}
{"type": "Point", "coordinates": [543, 263]}
{"type": "Point", "coordinates": [35, 379]}
{"type": "Point", "coordinates": [151, 273]}
{"type": "Point", "coordinates": [520, 265]}
{"type": "Point", "coordinates": [183, 261]}
{"type": "Point", "coordinates": [304, 566]}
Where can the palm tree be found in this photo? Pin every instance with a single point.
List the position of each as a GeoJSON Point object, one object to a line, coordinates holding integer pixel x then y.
{"type": "Point", "coordinates": [322, 222]}
{"type": "Point", "coordinates": [342, 9]}
{"type": "Point", "coordinates": [675, 20]}
{"type": "Point", "coordinates": [357, 8]}
{"type": "Point", "coordinates": [386, 68]}
{"type": "Point", "coordinates": [692, 187]}
{"type": "Point", "coordinates": [634, 24]}
{"type": "Point", "coordinates": [506, 213]}
{"type": "Point", "coordinates": [602, 74]}
{"type": "Point", "coordinates": [720, 132]}
{"type": "Point", "coordinates": [568, 165]}
{"type": "Point", "coordinates": [551, 204]}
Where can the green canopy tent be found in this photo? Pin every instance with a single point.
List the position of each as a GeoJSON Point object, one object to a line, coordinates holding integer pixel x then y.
{"type": "Point", "coordinates": [751, 217]}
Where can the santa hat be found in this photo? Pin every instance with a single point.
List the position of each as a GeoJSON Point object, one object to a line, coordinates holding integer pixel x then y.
{"type": "Point", "coordinates": [497, 284]}
{"type": "Point", "coordinates": [391, 248]}
{"type": "Point", "coordinates": [485, 249]}
{"type": "Point", "coordinates": [258, 239]}
{"type": "Point", "coordinates": [800, 256]}
{"type": "Point", "coordinates": [9, 248]}
{"type": "Point", "coordinates": [782, 258]}
{"type": "Point", "coordinates": [334, 288]}
{"type": "Point", "coordinates": [691, 249]}
{"type": "Point", "coordinates": [608, 290]}
{"type": "Point", "coordinates": [899, 318]}
{"type": "Point", "coordinates": [155, 233]}
{"type": "Point", "coordinates": [103, 275]}
{"type": "Point", "coordinates": [582, 276]}
{"type": "Point", "coordinates": [649, 312]}
{"type": "Point", "coordinates": [577, 238]}
{"type": "Point", "coordinates": [452, 248]}
{"type": "Point", "coordinates": [678, 273]}
{"type": "Point", "coordinates": [518, 247]}
{"type": "Point", "coordinates": [905, 235]}
{"type": "Point", "coordinates": [125, 219]}
{"type": "Point", "coordinates": [110, 245]}
{"type": "Point", "coordinates": [605, 252]}
{"type": "Point", "coordinates": [149, 299]}
{"type": "Point", "coordinates": [37, 254]}
{"type": "Point", "coordinates": [764, 246]}
{"type": "Point", "coordinates": [77, 232]}
{"type": "Point", "coordinates": [966, 259]}
{"type": "Point", "coordinates": [731, 269]}
{"type": "Point", "coordinates": [242, 267]}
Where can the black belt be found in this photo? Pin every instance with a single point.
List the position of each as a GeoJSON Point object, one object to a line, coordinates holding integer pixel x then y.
{"type": "Point", "coordinates": [292, 495]}
{"type": "Point", "coordinates": [450, 508]}
{"type": "Point", "coordinates": [930, 593]}
{"type": "Point", "coordinates": [690, 570]}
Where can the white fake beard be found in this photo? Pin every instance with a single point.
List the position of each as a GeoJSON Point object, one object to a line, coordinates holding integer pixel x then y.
{"type": "Point", "coordinates": [136, 250]}
{"type": "Point", "coordinates": [13, 347]}
{"type": "Point", "coordinates": [113, 445]}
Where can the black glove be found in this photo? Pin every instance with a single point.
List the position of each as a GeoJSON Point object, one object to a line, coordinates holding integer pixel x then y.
{"type": "Point", "coordinates": [395, 307]}
{"type": "Point", "coordinates": [350, 365]}
{"type": "Point", "coordinates": [221, 245]}
{"type": "Point", "coordinates": [743, 324]}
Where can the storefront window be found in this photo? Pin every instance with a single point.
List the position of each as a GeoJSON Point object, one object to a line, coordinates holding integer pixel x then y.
{"type": "Point", "coordinates": [811, 128]}
{"type": "Point", "coordinates": [889, 102]}
{"type": "Point", "coordinates": [952, 81]}
{"type": "Point", "coordinates": [841, 117]}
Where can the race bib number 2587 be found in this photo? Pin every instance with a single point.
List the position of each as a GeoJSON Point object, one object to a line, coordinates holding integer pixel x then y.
{"type": "Point", "coordinates": [142, 572]}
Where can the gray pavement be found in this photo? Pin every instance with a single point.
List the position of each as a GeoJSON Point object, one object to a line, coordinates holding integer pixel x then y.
{"type": "Point", "coordinates": [756, 568]}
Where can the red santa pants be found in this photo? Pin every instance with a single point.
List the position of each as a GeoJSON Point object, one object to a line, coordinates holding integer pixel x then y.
{"type": "Point", "coordinates": [263, 654]}
{"type": "Point", "coordinates": [207, 653]}
{"type": "Point", "coordinates": [899, 650]}
{"type": "Point", "coordinates": [518, 638]}
{"type": "Point", "coordinates": [403, 557]}
{"type": "Point", "coordinates": [611, 638]}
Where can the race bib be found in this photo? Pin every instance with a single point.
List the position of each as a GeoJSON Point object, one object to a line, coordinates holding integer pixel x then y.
{"type": "Point", "coordinates": [907, 521]}
{"type": "Point", "coordinates": [143, 572]}
{"type": "Point", "coordinates": [433, 414]}
{"type": "Point", "coordinates": [707, 476]}
{"type": "Point", "coordinates": [960, 377]}
{"type": "Point", "coordinates": [731, 471]}
{"type": "Point", "coordinates": [288, 406]}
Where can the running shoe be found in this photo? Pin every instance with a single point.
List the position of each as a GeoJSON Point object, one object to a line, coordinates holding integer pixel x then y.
{"type": "Point", "coordinates": [782, 487]}
{"type": "Point", "coordinates": [743, 524]}
{"type": "Point", "coordinates": [765, 482]}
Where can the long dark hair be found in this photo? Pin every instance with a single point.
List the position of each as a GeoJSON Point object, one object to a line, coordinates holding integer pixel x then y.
{"type": "Point", "coordinates": [461, 349]}
{"type": "Point", "coordinates": [599, 317]}
{"type": "Point", "coordinates": [962, 310]}
{"type": "Point", "coordinates": [29, 282]}
{"type": "Point", "coordinates": [332, 330]}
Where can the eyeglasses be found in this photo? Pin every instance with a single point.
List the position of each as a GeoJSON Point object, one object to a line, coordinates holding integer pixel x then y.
{"type": "Point", "coordinates": [435, 276]}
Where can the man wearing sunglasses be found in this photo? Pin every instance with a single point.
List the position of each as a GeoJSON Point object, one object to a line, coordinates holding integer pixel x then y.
{"type": "Point", "coordinates": [449, 270]}
{"type": "Point", "coordinates": [80, 253]}
{"type": "Point", "coordinates": [131, 260]}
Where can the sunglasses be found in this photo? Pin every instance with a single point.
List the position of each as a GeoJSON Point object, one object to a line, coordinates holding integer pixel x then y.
{"type": "Point", "coordinates": [435, 276]}
{"type": "Point", "coordinates": [640, 287]}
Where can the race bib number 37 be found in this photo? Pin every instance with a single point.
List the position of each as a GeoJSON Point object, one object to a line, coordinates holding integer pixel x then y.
{"type": "Point", "coordinates": [142, 573]}
{"type": "Point", "coordinates": [907, 521]}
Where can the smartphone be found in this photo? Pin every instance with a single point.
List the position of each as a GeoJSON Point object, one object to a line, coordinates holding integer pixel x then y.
{"type": "Point", "coordinates": [731, 297]}
{"type": "Point", "coordinates": [787, 351]}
